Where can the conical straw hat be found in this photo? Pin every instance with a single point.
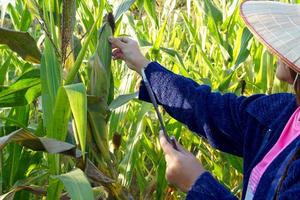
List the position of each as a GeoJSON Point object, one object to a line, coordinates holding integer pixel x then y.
{"type": "Point", "coordinates": [277, 25]}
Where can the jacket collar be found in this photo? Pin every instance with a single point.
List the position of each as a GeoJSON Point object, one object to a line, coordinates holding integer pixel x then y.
{"type": "Point", "coordinates": [273, 110]}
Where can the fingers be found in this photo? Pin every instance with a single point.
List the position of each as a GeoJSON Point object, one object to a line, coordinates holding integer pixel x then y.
{"type": "Point", "coordinates": [116, 42]}
{"type": "Point", "coordinates": [166, 146]}
{"type": "Point", "coordinates": [124, 39]}
{"type": "Point", "coordinates": [178, 145]}
{"type": "Point", "coordinates": [116, 51]}
{"type": "Point", "coordinates": [118, 57]}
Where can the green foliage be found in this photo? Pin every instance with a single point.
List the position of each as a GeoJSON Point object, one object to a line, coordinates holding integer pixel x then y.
{"type": "Point", "coordinates": [76, 185]}
{"type": "Point", "coordinates": [63, 132]}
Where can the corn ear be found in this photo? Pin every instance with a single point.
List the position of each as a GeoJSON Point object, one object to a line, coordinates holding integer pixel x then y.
{"type": "Point", "coordinates": [99, 90]}
{"type": "Point", "coordinates": [99, 81]}
{"type": "Point", "coordinates": [100, 94]}
{"type": "Point", "coordinates": [104, 46]}
{"type": "Point", "coordinates": [98, 126]}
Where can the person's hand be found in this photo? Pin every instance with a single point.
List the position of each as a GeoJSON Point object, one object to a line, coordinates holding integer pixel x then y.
{"type": "Point", "coordinates": [128, 50]}
{"type": "Point", "coordinates": [183, 168]}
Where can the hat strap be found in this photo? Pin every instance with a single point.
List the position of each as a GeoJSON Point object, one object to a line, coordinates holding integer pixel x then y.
{"type": "Point", "coordinates": [296, 78]}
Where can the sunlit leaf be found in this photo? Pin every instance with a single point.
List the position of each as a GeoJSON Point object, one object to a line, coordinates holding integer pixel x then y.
{"type": "Point", "coordinates": [78, 103]}
{"type": "Point", "coordinates": [122, 100]}
{"type": "Point", "coordinates": [122, 8]}
{"type": "Point", "coordinates": [77, 185]}
{"type": "Point", "coordinates": [149, 6]}
{"type": "Point", "coordinates": [51, 80]}
{"type": "Point", "coordinates": [22, 92]}
{"type": "Point", "coordinates": [3, 70]}
{"type": "Point", "coordinates": [243, 50]}
{"type": "Point", "coordinates": [22, 43]}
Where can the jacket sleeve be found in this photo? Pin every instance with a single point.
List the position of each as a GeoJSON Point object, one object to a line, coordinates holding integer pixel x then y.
{"type": "Point", "coordinates": [208, 188]}
{"type": "Point", "coordinates": [291, 185]}
{"type": "Point", "coordinates": [214, 116]}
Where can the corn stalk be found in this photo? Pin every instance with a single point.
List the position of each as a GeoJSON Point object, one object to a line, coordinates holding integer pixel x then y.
{"type": "Point", "coordinates": [68, 24]}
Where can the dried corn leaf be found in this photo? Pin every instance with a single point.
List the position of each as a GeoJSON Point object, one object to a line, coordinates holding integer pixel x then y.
{"type": "Point", "coordinates": [34, 189]}
{"type": "Point", "coordinates": [29, 140]}
{"type": "Point", "coordinates": [96, 176]}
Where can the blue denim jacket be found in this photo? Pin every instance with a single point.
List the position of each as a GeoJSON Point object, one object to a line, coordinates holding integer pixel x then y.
{"type": "Point", "coordinates": [244, 126]}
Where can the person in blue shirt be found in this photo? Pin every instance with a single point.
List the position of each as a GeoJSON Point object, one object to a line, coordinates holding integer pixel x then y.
{"type": "Point", "coordinates": [262, 129]}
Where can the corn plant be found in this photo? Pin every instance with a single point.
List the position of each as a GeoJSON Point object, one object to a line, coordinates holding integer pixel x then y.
{"type": "Point", "coordinates": [61, 100]}
{"type": "Point", "coordinates": [71, 124]}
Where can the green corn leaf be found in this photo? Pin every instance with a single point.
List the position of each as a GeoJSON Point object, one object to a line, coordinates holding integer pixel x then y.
{"type": "Point", "coordinates": [51, 80]}
{"type": "Point", "coordinates": [55, 188]}
{"type": "Point", "coordinates": [204, 56]}
{"type": "Point", "coordinates": [27, 183]}
{"type": "Point", "coordinates": [22, 92]}
{"type": "Point", "coordinates": [226, 82]}
{"type": "Point", "coordinates": [81, 54]}
{"type": "Point", "coordinates": [22, 43]}
{"type": "Point", "coordinates": [225, 53]}
{"type": "Point", "coordinates": [17, 154]}
{"type": "Point", "coordinates": [99, 80]}
{"type": "Point", "coordinates": [97, 118]}
{"type": "Point", "coordinates": [132, 147]}
{"type": "Point", "coordinates": [160, 35]}
{"type": "Point", "coordinates": [61, 116]}
{"type": "Point", "coordinates": [122, 8]}
{"type": "Point", "coordinates": [122, 100]}
{"type": "Point", "coordinates": [161, 181]}
{"type": "Point", "coordinates": [104, 49]}
{"type": "Point", "coordinates": [3, 70]}
{"type": "Point", "coordinates": [262, 76]}
{"type": "Point", "coordinates": [149, 6]}
{"type": "Point", "coordinates": [242, 48]}
{"type": "Point", "coordinates": [70, 98]}
{"type": "Point", "coordinates": [235, 161]}
{"type": "Point", "coordinates": [77, 185]}
{"type": "Point", "coordinates": [15, 16]}
{"type": "Point", "coordinates": [13, 122]}
{"type": "Point", "coordinates": [78, 103]}
{"type": "Point", "coordinates": [215, 17]}
{"type": "Point", "coordinates": [26, 20]}
{"type": "Point", "coordinates": [213, 11]}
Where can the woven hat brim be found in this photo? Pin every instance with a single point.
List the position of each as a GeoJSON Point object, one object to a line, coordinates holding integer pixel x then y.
{"type": "Point", "coordinates": [276, 25]}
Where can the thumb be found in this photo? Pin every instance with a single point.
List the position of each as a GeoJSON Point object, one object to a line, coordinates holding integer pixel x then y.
{"type": "Point", "coordinates": [116, 42]}
{"type": "Point", "coordinates": [166, 146]}
{"type": "Point", "coordinates": [179, 147]}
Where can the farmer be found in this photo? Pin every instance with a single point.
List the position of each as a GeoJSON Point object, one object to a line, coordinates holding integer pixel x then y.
{"type": "Point", "coordinates": [263, 129]}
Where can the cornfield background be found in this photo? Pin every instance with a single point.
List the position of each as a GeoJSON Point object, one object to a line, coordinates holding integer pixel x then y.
{"type": "Point", "coordinates": [71, 125]}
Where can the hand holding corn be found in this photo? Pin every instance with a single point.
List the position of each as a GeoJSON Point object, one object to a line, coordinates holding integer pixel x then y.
{"type": "Point", "coordinates": [128, 50]}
